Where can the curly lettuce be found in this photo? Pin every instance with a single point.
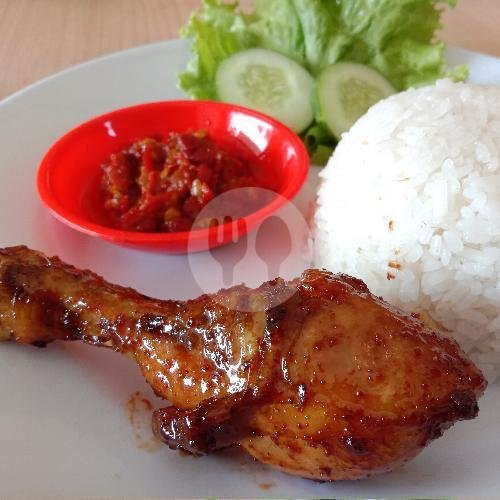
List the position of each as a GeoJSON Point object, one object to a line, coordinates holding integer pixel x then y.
{"type": "Point", "coordinates": [396, 37]}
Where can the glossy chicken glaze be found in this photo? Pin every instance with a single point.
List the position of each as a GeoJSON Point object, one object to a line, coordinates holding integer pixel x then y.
{"type": "Point", "coordinates": [331, 384]}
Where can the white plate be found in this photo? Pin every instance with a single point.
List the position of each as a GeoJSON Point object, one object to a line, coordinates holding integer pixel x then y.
{"type": "Point", "coordinates": [64, 428]}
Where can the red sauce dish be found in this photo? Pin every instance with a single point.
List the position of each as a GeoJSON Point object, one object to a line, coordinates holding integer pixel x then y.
{"type": "Point", "coordinates": [70, 175]}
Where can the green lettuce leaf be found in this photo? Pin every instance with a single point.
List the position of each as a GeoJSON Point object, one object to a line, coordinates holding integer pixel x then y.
{"type": "Point", "coordinates": [218, 31]}
{"type": "Point", "coordinates": [316, 134]}
{"type": "Point", "coordinates": [396, 37]}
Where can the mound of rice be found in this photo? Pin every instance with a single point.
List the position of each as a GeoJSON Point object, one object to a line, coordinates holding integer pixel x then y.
{"type": "Point", "coordinates": [410, 203]}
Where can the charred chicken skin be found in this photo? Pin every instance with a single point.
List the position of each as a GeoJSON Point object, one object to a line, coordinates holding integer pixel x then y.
{"type": "Point", "coordinates": [331, 384]}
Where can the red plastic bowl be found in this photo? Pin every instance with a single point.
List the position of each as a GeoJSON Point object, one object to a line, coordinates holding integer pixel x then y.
{"type": "Point", "coordinates": [69, 174]}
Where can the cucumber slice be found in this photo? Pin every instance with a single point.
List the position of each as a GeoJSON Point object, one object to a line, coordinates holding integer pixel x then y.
{"type": "Point", "coordinates": [268, 82]}
{"type": "Point", "coordinates": [345, 91]}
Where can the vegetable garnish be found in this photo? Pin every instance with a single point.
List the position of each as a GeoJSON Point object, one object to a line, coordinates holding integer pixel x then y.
{"type": "Point", "coordinates": [393, 37]}
{"type": "Point", "coordinates": [268, 82]}
{"type": "Point", "coordinates": [344, 91]}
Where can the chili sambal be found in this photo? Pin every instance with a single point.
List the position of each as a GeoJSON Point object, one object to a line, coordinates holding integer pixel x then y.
{"type": "Point", "coordinates": [161, 186]}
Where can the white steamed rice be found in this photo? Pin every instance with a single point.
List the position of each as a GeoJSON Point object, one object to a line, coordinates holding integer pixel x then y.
{"type": "Point", "coordinates": [410, 203]}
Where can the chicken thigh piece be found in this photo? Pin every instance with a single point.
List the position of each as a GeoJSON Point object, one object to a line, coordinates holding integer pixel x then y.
{"type": "Point", "coordinates": [332, 383]}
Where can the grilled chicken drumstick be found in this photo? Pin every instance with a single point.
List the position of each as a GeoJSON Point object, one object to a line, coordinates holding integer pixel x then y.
{"type": "Point", "coordinates": [331, 384]}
